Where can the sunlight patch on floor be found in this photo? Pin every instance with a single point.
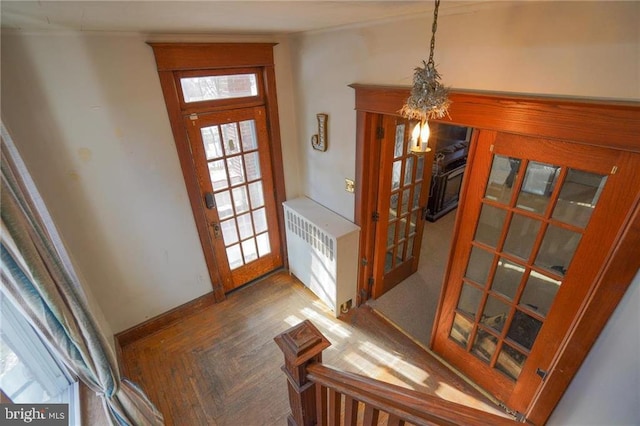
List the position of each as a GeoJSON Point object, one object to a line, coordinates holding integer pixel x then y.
{"type": "Point", "coordinates": [330, 326]}
{"type": "Point", "coordinates": [403, 368]}
{"type": "Point", "coordinates": [292, 320]}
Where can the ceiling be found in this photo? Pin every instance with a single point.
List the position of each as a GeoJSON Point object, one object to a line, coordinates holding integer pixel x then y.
{"type": "Point", "coordinates": [210, 17]}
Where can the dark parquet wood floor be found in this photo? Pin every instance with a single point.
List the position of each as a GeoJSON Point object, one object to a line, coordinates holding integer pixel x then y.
{"type": "Point", "coordinates": [220, 366]}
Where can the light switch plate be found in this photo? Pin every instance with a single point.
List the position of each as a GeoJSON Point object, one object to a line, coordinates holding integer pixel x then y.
{"type": "Point", "coordinates": [349, 185]}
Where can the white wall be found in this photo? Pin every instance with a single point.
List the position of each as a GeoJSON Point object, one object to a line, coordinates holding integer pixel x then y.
{"type": "Point", "coordinates": [86, 112]}
{"type": "Point", "coordinates": [606, 390]}
{"type": "Point", "coordinates": [576, 49]}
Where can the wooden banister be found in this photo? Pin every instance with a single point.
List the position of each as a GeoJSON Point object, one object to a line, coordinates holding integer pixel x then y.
{"type": "Point", "coordinates": [322, 395]}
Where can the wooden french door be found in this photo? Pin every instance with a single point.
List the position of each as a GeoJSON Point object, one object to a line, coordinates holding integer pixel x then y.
{"type": "Point", "coordinates": [536, 222]}
{"type": "Point", "coordinates": [403, 190]}
{"type": "Point", "coordinates": [233, 165]}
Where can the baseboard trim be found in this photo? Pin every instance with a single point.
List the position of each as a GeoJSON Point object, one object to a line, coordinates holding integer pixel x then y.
{"type": "Point", "coordinates": [161, 321]}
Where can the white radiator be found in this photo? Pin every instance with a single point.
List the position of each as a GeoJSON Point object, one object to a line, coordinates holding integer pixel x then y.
{"type": "Point", "coordinates": [323, 252]}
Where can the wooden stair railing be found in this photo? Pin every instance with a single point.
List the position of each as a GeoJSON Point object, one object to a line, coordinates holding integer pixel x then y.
{"type": "Point", "coordinates": [321, 395]}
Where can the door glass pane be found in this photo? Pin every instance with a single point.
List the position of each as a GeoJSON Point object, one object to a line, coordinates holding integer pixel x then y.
{"type": "Point", "coordinates": [524, 329]}
{"type": "Point", "coordinates": [249, 249]}
{"type": "Point", "coordinates": [460, 330]}
{"type": "Point", "coordinates": [408, 171]}
{"type": "Point", "coordinates": [253, 166]}
{"type": "Point", "coordinates": [240, 199]}
{"type": "Point", "coordinates": [484, 345]}
{"type": "Point", "coordinates": [264, 247]}
{"type": "Point", "coordinates": [557, 249]}
{"type": "Point", "coordinates": [479, 265]}
{"type": "Point", "coordinates": [236, 171]}
{"type": "Point", "coordinates": [490, 225]}
{"type": "Point", "coordinates": [399, 142]}
{"type": "Point", "coordinates": [244, 225]}
{"type": "Point", "coordinates": [399, 254]}
{"type": "Point", "coordinates": [388, 260]}
{"type": "Point", "coordinates": [230, 138]}
{"type": "Point", "coordinates": [419, 168]}
{"type": "Point", "coordinates": [211, 142]}
{"type": "Point", "coordinates": [416, 197]}
{"type": "Point", "coordinates": [196, 89]}
{"type": "Point", "coordinates": [256, 195]}
{"type": "Point", "coordinates": [402, 226]}
{"type": "Point", "coordinates": [578, 197]}
{"type": "Point", "coordinates": [218, 175]}
{"type": "Point", "coordinates": [539, 293]}
{"type": "Point", "coordinates": [234, 256]}
{"type": "Point", "coordinates": [504, 172]}
{"type": "Point", "coordinates": [393, 206]}
{"type": "Point", "coordinates": [539, 182]}
{"type": "Point", "coordinates": [507, 278]}
{"type": "Point", "coordinates": [260, 220]}
{"type": "Point", "coordinates": [406, 194]}
{"type": "Point", "coordinates": [495, 314]}
{"type": "Point", "coordinates": [510, 361]}
{"type": "Point", "coordinates": [414, 222]}
{"type": "Point", "coordinates": [391, 234]}
{"type": "Point", "coordinates": [410, 248]}
{"type": "Point", "coordinates": [521, 236]}
{"type": "Point", "coordinates": [395, 174]}
{"type": "Point", "coordinates": [248, 134]}
{"type": "Point", "coordinates": [223, 204]}
{"type": "Point", "coordinates": [229, 232]}
{"type": "Point", "coordinates": [469, 300]}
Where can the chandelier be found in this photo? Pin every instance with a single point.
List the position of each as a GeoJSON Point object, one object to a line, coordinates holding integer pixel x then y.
{"type": "Point", "coordinates": [428, 99]}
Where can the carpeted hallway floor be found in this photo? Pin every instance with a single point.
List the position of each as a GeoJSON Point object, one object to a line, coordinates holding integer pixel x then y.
{"type": "Point", "coordinates": [411, 305]}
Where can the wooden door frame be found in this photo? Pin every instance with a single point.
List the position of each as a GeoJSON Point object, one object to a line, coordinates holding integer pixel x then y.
{"type": "Point", "coordinates": [613, 125]}
{"type": "Point", "coordinates": [176, 57]}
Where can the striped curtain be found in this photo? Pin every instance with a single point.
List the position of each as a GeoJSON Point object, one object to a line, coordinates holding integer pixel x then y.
{"type": "Point", "coordinates": [38, 277]}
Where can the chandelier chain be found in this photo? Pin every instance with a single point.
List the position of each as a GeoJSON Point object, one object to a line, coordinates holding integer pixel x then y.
{"type": "Point", "coordinates": [434, 27]}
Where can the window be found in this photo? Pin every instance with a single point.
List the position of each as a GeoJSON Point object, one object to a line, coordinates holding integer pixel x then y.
{"type": "Point", "coordinates": [29, 373]}
{"type": "Point", "coordinates": [217, 87]}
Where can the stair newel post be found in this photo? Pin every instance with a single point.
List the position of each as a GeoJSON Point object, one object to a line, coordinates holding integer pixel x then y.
{"type": "Point", "coordinates": [302, 345]}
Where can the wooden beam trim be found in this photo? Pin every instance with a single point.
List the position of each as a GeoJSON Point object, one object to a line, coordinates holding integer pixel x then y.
{"type": "Point", "coordinates": [611, 124]}
{"type": "Point", "coordinates": [192, 56]}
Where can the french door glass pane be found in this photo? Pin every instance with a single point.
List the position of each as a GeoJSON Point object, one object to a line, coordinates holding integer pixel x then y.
{"type": "Point", "coordinates": [578, 197]}
{"type": "Point", "coordinates": [524, 329]}
{"type": "Point", "coordinates": [256, 195]}
{"type": "Point", "coordinates": [245, 226]}
{"type": "Point", "coordinates": [212, 144]}
{"type": "Point", "coordinates": [539, 293]}
{"type": "Point", "coordinates": [229, 232]}
{"type": "Point", "coordinates": [557, 250]}
{"type": "Point", "coordinates": [260, 220]}
{"type": "Point", "coordinates": [253, 166]}
{"type": "Point", "coordinates": [539, 183]}
{"type": "Point", "coordinates": [510, 361]}
{"type": "Point", "coordinates": [218, 175]}
{"type": "Point", "coordinates": [469, 300]}
{"type": "Point", "coordinates": [504, 171]}
{"type": "Point", "coordinates": [479, 265]}
{"type": "Point", "coordinates": [408, 171]}
{"type": "Point", "coordinates": [495, 314]}
{"type": "Point", "coordinates": [230, 139]}
{"type": "Point", "coordinates": [522, 234]}
{"type": "Point", "coordinates": [395, 174]}
{"type": "Point", "coordinates": [236, 171]}
{"type": "Point", "coordinates": [490, 225]}
{"type": "Point", "coordinates": [461, 330]}
{"type": "Point", "coordinates": [223, 204]}
{"type": "Point", "coordinates": [248, 134]}
{"type": "Point", "coordinates": [240, 199]}
{"type": "Point", "coordinates": [234, 257]}
{"type": "Point", "coordinates": [484, 345]}
{"type": "Point", "coordinates": [399, 141]}
{"type": "Point", "coordinates": [264, 247]}
{"type": "Point", "coordinates": [249, 249]}
{"type": "Point", "coordinates": [507, 278]}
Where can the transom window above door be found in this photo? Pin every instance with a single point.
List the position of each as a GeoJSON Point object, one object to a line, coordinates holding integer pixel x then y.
{"type": "Point", "coordinates": [218, 87]}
